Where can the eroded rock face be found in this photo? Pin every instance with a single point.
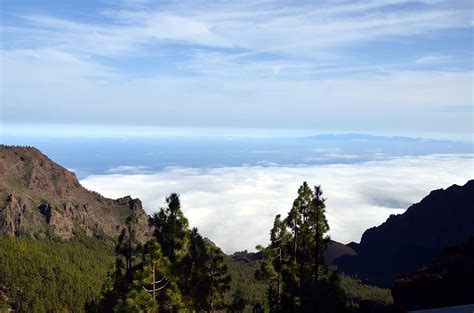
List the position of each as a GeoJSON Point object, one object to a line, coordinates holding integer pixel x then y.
{"type": "Point", "coordinates": [46, 211]}
{"type": "Point", "coordinates": [39, 197]}
{"type": "Point", "coordinates": [16, 217]}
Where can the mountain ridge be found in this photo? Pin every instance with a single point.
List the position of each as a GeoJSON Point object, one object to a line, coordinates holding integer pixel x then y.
{"type": "Point", "coordinates": [404, 242]}
{"type": "Point", "coordinates": [40, 198]}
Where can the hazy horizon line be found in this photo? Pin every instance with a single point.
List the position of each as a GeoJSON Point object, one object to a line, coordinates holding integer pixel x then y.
{"type": "Point", "coordinates": [117, 131]}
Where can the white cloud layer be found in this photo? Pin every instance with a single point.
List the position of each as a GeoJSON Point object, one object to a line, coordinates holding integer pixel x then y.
{"type": "Point", "coordinates": [235, 206]}
{"type": "Point", "coordinates": [128, 169]}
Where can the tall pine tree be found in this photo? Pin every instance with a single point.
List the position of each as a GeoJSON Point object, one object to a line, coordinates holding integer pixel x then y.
{"type": "Point", "coordinates": [171, 228]}
{"type": "Point", "coordinates": [218, 280]}
{"type": "Point", "coordinates": [293, 262]}
{"type": "Point", "coordinates": [177, 271]}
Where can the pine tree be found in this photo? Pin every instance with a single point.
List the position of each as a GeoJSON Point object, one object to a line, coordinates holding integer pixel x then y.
{"type": "Point", "coordinates": [218, 280]}
{"type": "Point", "coordinates": [127, 245]}
{"type": "Point", "coordinates": [267, 272]}
{"type": "Point", "coordinates": [293, 262]}
{"type": "Point", "coordinates": [152, 288]}
{"type": "Point", "coordinates": [177, 270]}
{"type": "Point", "coordinates": [321, 227]}
{"type": "Point", "coordinates": [193, 267]}
{"type": "Point", "coordinates": [119, 277]}
{"type": "Point", "coordinates": [199, 269]}
{"type": "Point", "coordinates": [171, 228]}
{"type": "Point", "coordinates": [299, 221]}
{"type": "Point", "coordinates": [275, 265]}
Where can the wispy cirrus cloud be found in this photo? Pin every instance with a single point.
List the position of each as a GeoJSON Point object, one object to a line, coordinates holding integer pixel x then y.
{"type": "Point", "coordinates": [49, 65]}
{"type": "Point", "coordinates": [279, 28]}
{"type": "Point", "coordinates": [235, 206]}
{"type": "Point", "coordinates": [410, 101]}
{"type": "Point", "coordinates": [251, 64]}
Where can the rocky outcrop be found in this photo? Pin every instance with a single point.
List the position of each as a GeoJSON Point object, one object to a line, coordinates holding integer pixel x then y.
{"type": "Point", "coordinates": [39, 198]}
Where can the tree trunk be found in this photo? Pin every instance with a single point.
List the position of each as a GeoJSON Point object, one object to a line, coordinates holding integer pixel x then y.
{"type": "Point", "coordinates": [154, 281]}
{"type": "Point", "coordinates": [278, 282]}
{"type": "Point", "coordinates": [317, 257]}
{"type": "Point", "coordinates": [295, 242]}
{"type": "Point", "coordinates": [211, 309]}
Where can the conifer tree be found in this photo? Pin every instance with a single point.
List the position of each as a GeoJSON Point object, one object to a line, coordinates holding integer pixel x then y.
{"type": "Point", "coordinates": [321, 227]}
{"type": "Point", "coordinates": [279, 237]}
{"type": "Point", "coordinates": [218, 280]}
{"type": "Point", "coordinates": [120, 275]}
{"type": "Point", "coordinates": [171, 228]}
{"type": "Point", "coordinates": [194, 279]}
{"type": "Point", "coordinates": [127, 245]}
{"type": "Point", "coordinates": [276, 265]}
{"type": "Point", "coordinates": [299, 222]}
{"type": "Point", "coordinates": [293, 262]}
{"type": "Point", "coordinates": [177, 272]}
{"type": "Point", "coordinates": [153, 290]}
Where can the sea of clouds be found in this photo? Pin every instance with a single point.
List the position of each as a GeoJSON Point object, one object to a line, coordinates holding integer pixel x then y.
{"type": "Point", "coordinates": [235, 206]}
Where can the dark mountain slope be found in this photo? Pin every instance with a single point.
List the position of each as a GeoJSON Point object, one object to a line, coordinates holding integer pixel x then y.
{"type": "Point", "coordinates": [336, 250]}
{"type": "Point", "coordinates": [448, 281]}
{"type": "Point", "coordinates": [39, 198]}
{"type": "Point", "coordinates": [406, 241]}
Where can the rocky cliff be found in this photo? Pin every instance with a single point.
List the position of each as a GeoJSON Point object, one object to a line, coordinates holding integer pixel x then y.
{"type": "Point", "coordinates": [39, 198]}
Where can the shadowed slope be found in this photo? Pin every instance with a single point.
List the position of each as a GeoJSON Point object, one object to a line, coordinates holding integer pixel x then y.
{"type": "Point", "coordinates": [405, 242]}
{"type": "Point", "coordinates": [448, 281]}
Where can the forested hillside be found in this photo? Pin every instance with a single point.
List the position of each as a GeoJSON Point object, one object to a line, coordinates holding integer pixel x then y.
{"type": "Point", "coordinates": [27, 265]}
{"type": "Point", "coordinates": [51, 275]}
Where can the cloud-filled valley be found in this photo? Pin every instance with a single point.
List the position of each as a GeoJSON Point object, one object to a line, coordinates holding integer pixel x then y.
{"type": "Point", "coordinates": [235, 205]}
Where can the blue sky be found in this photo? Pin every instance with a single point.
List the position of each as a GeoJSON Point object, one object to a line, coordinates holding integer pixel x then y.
{"type": "Point", "coordinates": [369, 66]}
{"type": "Point", "coordinates": [132, 69]}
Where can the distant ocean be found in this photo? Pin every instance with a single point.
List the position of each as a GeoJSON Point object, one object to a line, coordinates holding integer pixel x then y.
{"type": "Point", "coordinates": [96, 155]}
